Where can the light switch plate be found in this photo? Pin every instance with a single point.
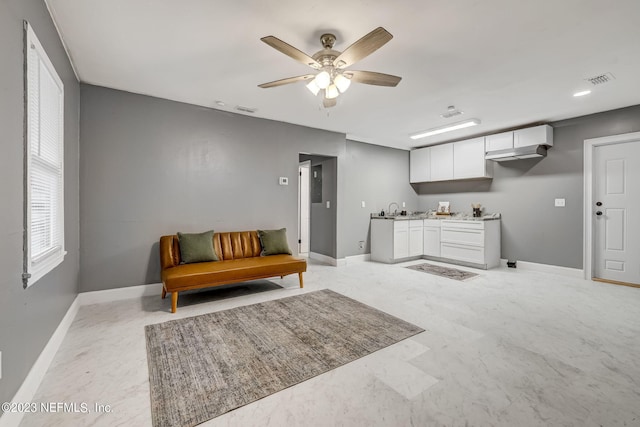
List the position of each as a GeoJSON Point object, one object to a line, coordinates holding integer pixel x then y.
{"type": "Point", "coordinates": [284, 180]}
{"type": "Point", "coordinates": [560, 203]}
{"type": "Point", "coordinates": [328, 204]}
{"type": "Point", "coordinates": [404, 205]}
{"type": "Point", "coordinates": [363, 204]}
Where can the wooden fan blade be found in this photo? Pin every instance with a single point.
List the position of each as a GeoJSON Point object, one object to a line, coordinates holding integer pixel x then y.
{"type": "Point", "coordinates": [291, 51]}
{"type": "Point", "coordinates": [372, 78]}
{"type": "Point", "coordinates": [287, 81]}
{"type": "Point", "coordinates": [328, 103]}
{"type": "Point", "coordinates": [363, 47]}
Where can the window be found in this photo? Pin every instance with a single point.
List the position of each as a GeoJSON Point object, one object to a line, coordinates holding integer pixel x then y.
{"type": "Point", "coordinates": [44, 171]}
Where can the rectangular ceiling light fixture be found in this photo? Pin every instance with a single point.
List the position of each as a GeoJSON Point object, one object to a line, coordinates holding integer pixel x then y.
{"type": "Point", "coordinates": [443, 129]}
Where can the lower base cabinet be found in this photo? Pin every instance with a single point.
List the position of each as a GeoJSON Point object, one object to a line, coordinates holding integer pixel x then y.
{"type": "Point", "coordinates": [431, 237]}
{"type": "Point", "coordinates": [473, 243]}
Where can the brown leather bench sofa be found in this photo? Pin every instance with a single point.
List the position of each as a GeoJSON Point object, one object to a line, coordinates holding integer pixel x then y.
{"type": "Point", "coordinates": [240, 261]}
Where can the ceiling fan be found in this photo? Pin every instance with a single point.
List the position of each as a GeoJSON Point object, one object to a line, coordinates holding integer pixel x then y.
{"type": "Point", "coordinates": [332, 77]}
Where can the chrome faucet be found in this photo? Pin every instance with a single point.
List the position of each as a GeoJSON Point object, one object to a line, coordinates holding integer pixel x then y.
{"type": "Point", "coordinates": [394, 212]}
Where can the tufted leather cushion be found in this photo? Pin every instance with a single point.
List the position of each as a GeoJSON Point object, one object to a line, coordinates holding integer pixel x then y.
{"type": "Point", "coordinates": [228, 246]}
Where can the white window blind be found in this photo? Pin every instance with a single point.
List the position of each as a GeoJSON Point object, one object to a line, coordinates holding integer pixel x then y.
{"type": "Point", "coordinates": [44, 151]}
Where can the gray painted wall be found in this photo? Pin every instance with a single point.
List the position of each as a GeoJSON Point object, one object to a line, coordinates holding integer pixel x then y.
{"type": "Point", "coordinates": [151, 167]}
{"type": "Point", "coordinates": [378, 175]}
{"type": "Point", "coordinates": [29, 317]}
{"type": "Point", "coordinates": [524, 191]}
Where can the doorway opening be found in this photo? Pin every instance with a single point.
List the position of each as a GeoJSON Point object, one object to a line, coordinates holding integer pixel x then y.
{"type": "Point", "coordinates": [317, 219]}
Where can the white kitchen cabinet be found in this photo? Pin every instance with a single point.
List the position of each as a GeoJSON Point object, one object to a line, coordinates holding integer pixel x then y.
{"type": "Point", "coordinates": [415, 237]}
{"type": "Point", "coordinates": [469, 161]}
{"type": "Point", "coordinates": [431, 237]}
{"type": "Point", "coordinates": [395, 240]}
{"type": "Point", "coordinates": [473, 242]}
{"type": "Point", "coordinates": [537, 135]}
{"type": "Point", "coordinates": [441, 162]}
{"type": "Point", "coordinates": [499, 141]}
{"type": "Point", "coordinates": [400, 239]}
{"type": "Point", "coordinates": [420, 165]}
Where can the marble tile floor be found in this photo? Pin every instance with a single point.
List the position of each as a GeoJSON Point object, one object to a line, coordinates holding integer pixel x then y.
{"type": "Point", "coordinates": [506, 348]}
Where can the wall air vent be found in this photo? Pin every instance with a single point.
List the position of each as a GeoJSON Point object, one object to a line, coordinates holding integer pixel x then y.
{"type": "Point", "coordinates": [246, 109]}
{"type": "Point", "coordinates": [600, 79]}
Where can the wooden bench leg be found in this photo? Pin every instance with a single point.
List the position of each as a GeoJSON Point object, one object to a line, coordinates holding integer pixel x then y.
{"type": "Point", "coordinates": [164, 292]}
{"type": "Point", "coordinates": [174, 301]}
{"type": "Point", "coordinates": [301, 282]}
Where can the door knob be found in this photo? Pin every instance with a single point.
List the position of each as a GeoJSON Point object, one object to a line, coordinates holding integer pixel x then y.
{"type": "Point", "coordinates": [598, 213]}
{"type": "Point", "coordinates": [598, 203]}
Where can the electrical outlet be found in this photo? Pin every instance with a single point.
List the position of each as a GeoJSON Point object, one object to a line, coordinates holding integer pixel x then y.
{"type": "Point", "coordinates": [404, 205]}
{"type": "Point", "coordinates": [283, 180]}
{"type": "Point", "coordinates": [363, 204]}
{"type": "Point", "coordinates": [560, 203]}
{"type": "Point", "coordinates": [361, 244]}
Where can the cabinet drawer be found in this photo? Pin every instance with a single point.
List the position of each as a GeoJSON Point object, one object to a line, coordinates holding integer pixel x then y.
{"type": "Point", "coordinates": [459, 224]}
{"type": "Point", "coordinates": [464, 236]}
{"type": "Point", "coordinates": [459, 252]}
{"type": "Point", "coordinates": [400, 225]}
{"type": "Point", "coordinates": [415, 223]}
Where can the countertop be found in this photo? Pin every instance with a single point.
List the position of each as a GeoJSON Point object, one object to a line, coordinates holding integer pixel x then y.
{"type": "Point", "coordinates": [458, 216]}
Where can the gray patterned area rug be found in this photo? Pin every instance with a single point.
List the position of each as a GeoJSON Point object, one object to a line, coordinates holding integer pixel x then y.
{"type": "Point", "coordinates": [201, 367]}
{"type": "Point", "coordinates": [451, 273]}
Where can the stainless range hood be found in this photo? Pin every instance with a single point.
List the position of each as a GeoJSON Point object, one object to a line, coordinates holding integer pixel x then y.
{"type": "Point", "coordinates": [508, 154]}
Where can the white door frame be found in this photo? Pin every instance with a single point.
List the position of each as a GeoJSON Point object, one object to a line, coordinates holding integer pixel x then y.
{"type": "Point", "coordinates": [305, 164]}
{"type": "Point", "coordinates": [589, 148]}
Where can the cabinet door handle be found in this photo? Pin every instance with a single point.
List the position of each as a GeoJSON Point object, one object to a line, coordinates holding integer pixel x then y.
{"type": "Point", "coordinates": [598, 213]}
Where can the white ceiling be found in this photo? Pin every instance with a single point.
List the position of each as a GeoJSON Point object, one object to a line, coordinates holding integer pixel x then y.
{"type": "Point", "coordinates": [508, 63]}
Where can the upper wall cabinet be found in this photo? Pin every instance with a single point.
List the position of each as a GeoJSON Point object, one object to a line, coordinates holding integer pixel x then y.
{"type": "Point", "coordinates": [458, 160]}
{"type": "Point", "coordinates": [469, 161]}
{"type": "Point", "coordinates": [420, 165]}
{"type": "Point", "coordinates": [441, 164]}
{"type": "Point", "coordinates": [537, 135]}
{"type": "Point", "coordinates": [499, 141]}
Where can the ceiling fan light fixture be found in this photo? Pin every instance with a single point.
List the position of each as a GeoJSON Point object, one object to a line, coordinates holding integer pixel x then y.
{"type": "Point", "coordinates": [443, 129]}
{"type": "Point", "coordinates": [331, 92]}
{"type": "Point", "coordinates": [342, 83]}
{"type": "Point", "coordinates": [313, 87]}
{"type": "Point", "coordinates": [323, 80]}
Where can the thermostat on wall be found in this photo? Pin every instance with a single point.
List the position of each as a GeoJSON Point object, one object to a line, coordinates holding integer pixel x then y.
{"type": "Point", "coordinates": [284, 180]}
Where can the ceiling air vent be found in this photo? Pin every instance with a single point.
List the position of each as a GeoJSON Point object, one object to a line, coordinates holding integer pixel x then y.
{"type": "Point", "coordinates": [601, 79]}
{"type": "Point", "coordinates": [452, 111]}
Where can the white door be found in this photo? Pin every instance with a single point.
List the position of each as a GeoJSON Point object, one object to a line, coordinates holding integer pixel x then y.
{"type": "Point", "coordinates": [303, 208]}
{"type": "Point", "coordinates": [616, 209]}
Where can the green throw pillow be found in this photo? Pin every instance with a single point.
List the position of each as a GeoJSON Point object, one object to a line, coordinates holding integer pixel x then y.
{"type": "Point", "coordinates": [196, 247]}
{"type": "Point", "coordinates": [274, 242]}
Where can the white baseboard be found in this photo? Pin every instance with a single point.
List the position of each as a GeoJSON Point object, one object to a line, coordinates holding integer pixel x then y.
{"type": "Point", "coordinates": [117, 294]}
{"type": "Point", "coordinates": [323, 258]}
{"type": "Point", "coordinates": [31, 383]}
{"type": "Point", "coordinates": [547, 268]}
{"type": "Point", "coordinates": [354, 259]}
{"type": "Point", "coordinates": [339, 262]}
